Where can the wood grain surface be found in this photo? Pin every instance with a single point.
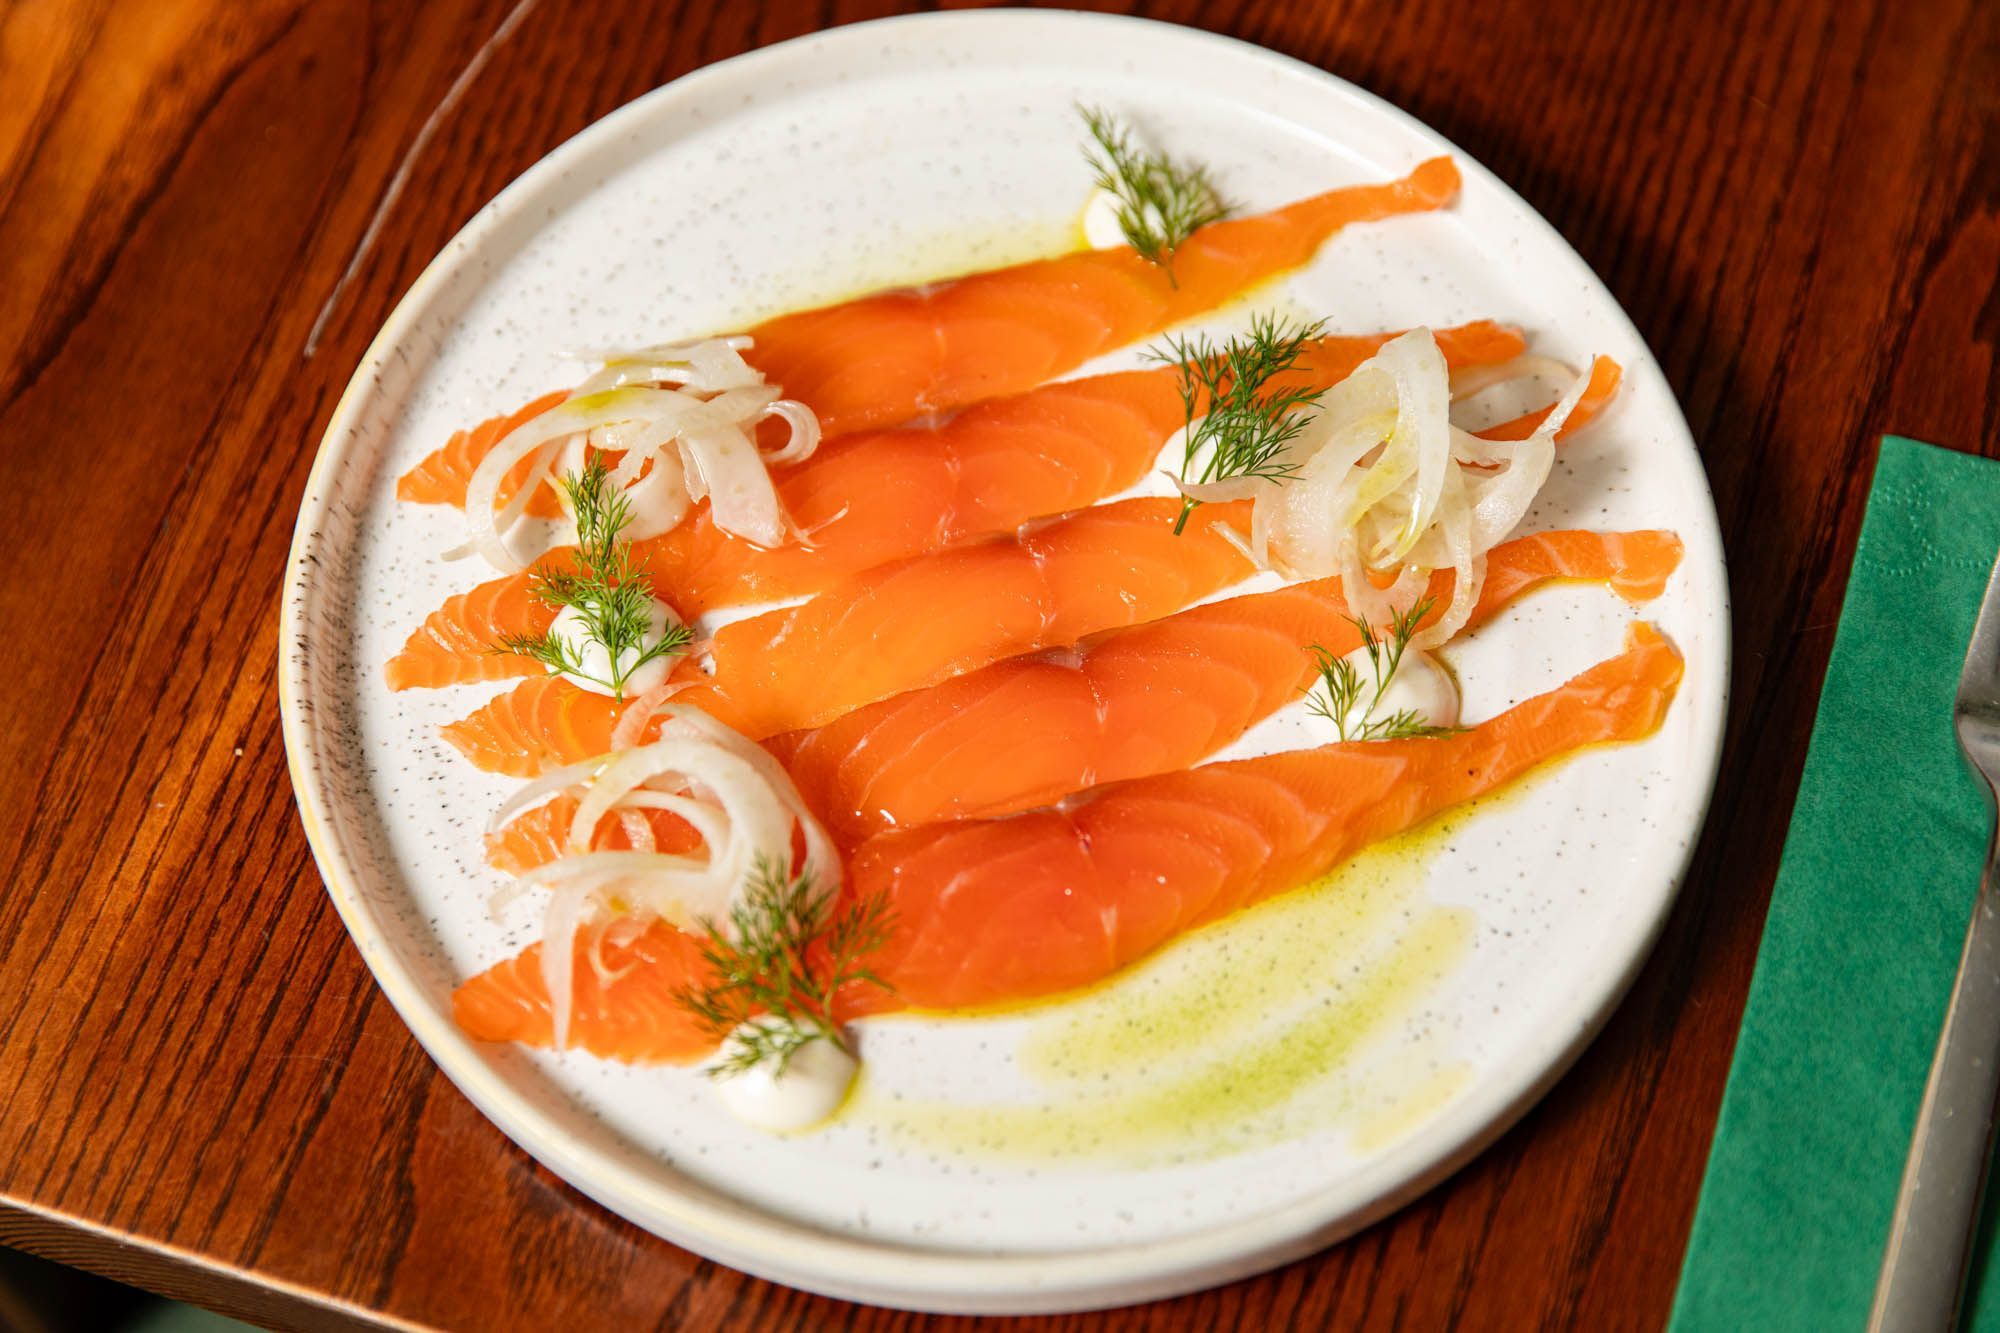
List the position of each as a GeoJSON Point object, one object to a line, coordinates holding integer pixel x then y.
{"type": "Point", "coordinates": [201, 1089]}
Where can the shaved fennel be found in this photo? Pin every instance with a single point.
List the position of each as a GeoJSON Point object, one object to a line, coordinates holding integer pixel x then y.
{"type": "Point", "coordinates": [739, 802]}
{"type": "Point", "coordinates": [1384, 491]}
{"type": "Point", "coordinates": [682, 420]}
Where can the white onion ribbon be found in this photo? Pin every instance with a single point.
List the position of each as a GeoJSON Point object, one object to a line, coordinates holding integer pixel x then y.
{"type": "Point", "coordinates": [730, 790]}
{"type": "Point", "coordinates": [689, 410]}
{"type": "Point", "coordinates": [1386, 488]}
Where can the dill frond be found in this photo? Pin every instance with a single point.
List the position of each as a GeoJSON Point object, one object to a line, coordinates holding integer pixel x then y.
{"type": "Point", "coordinates": [612, 599]}
{"type": "Point", "coordinates": [1238, 422]}
{"type": "Point", "coordinates": [774, 974]}
{"type": "Point", "coordinates": [1338, 693]}
{"type": "Point", "coordinates": [1161, 202]}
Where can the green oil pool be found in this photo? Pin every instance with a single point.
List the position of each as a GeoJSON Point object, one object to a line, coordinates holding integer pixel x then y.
{"type": "Point", "coordinates": [1274, 1023]}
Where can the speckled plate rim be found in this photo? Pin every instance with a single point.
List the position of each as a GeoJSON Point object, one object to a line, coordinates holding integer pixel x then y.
{"type": "Point", "coordinates": [772, 1247]}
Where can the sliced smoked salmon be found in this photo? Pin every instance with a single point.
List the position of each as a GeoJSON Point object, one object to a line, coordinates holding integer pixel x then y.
{"type": "Point", "coordinates": [1036, 904]}
{"type": "Point", "coordinates": [630, 1010]}
{"type": "Point", "coordinates": [899, 354]}
{"type": "Point", "coordinates": [886, 495]}
{"type": "Point", "coordinates": [818, 661]}
{"type": "Point", "coordinates": [892, 356]}
{"type": "Point", "coordinates": [442, 476]}
{"type": "Point", "coordinates": [529, 729]}
{"type": "Point", "coordinates": [1002, 910]}
{"type": "Point", "coordinates": [900, 627]}
{"type": "Point", "coordinates": [1031, 729]}
{"type": "Point", "coordinates": [454, 645]}
{"type": "Point", "coordinates": [1605, 375]}
{"type": "Point", "coordinates": [1130, 702]}
{"type": "Point", "coordinates": [1123, 415]}
{"type": "Point", "coordinates": [541, 834]}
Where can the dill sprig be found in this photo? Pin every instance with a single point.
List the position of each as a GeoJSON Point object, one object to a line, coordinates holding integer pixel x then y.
{"type": "Point", "coordinates": [772, 985]}
{"type": "Point", "coordinates": [612, 599]}
{"type": "Point", "coordinates": [1161, 202]}
{"type": "Point", "coordinates": [1345, 690]}
{"type": "Point", "coordinates": [1238, 423]}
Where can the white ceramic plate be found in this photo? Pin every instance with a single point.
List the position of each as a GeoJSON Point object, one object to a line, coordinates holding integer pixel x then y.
{"type": "Point", "coordinates": [1321, 1062]}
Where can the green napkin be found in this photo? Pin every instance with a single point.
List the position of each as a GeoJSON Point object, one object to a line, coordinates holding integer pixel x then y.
{"type": "Point", "coordinates": [1873, 897]}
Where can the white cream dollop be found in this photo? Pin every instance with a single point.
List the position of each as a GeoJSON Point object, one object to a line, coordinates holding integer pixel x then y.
{"type": "Point", "coordinates": [1420, 685]}
{"type": "Point", "coordinates": [810, 1088]}
{"type": "Point", "coordinates": [1100, 220]}
{"type": "Point", "coordinates": [595, 661]}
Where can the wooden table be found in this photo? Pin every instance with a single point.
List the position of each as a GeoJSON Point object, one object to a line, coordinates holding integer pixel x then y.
{"type": "Point", "coordinates": [201, 1089]}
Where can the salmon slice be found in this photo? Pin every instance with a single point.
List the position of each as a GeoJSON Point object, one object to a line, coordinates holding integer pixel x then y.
{"type": "Point", "coordinates": [1031, 729]}
{"type": "Point", "coordinates": [802, 667]}
{"type": "Point", "coordinates": [1036, 904]}
{"type": "Point", "coordinates": [899, 627]}
{"type": "Point", "coordinates": [454, 645]}
{"type": "Point", "coordinates": [899, 354]}
{"type": "Point", "coordinates": [1123, 416]}
{"type": "Point", "coordinates": [525, 731]}
{"type": "Point", "coordinates": [631, 1011]}
{"type": "Point", "coordinates": [991, 911]}
{"type": "Point", "coordinates": [541, 834]}
{"type": "Point", "coordinates": [1605, 375]}
{"type": "Point", "coordinates": [442, 476]}
{"type": "Point", "coordinates": [885, 495]}
{"type": "Point", "coordinates": [1130, 702]}
{"type": "Point", "coordinates": [895, 355]}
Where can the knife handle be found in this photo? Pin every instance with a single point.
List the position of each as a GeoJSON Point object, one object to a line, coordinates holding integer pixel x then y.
{"type": "Point", "coordinates": [1937, 1209]}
